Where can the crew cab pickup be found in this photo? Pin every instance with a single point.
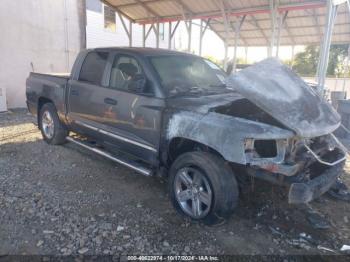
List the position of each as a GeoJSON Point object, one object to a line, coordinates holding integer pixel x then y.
{"type": "Point", "coordinates": [177, 115]}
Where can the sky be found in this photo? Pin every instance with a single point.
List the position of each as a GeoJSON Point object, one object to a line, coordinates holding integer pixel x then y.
{"type": "Point", "coordinates": [213, 46]}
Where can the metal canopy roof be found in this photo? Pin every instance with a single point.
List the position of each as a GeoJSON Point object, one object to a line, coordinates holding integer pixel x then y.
{"type": "Point", "coordinates": [303, 21]}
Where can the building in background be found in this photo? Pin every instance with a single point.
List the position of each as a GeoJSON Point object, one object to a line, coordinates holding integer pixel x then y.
{"type": "Point", "coordinates": [40, 36]}
{"type": "Point", "coordinates": [104, 28]}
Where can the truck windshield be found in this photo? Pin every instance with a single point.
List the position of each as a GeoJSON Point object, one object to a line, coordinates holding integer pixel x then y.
{"type": "Point", "coordinates": [181, 74]}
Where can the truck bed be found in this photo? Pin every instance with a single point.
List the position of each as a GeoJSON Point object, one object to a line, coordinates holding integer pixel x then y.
{"type": "Point", "coordinates": [50, 86]}
{"type": "Point", "coordinates": [50, 75]}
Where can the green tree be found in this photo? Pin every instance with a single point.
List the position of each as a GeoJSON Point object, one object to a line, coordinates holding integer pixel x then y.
{"type": "Point", "coordinates": [305, 63]}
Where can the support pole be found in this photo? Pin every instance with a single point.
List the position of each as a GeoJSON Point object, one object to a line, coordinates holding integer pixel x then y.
{"type": "Point", "coordinates": [157, 35]}
{"type": "Point", "coordinates": [172, 33]}
{"type": "Point", "coordinates": [130, 34]}
{"type": "Point", "coordinates": [282, 20]}
{"type": "Point", "coordinates": [324, 53]}
{"type": "Point", "coordinates": [189, 30]}
{"type": "Point", "coordinates": [238, 27]}
{"type": "Point", "coordinates": [202, 31]}
{"type": "Point", "coordinates": [273, 9]}
{"type": "Point", "coordinates": [143, 35]}
{"type": "Point", "coordinates": [227, 30]}
{"type": "Point", "coordinates": [128, 31]}
{"type": "Point", "coordinates": [200, 38]}
{"type": "Point", "coordinates": [169, 35]}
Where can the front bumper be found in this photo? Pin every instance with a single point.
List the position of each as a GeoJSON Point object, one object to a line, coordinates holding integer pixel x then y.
{"type": "Point", "coordinates": [300, 193]}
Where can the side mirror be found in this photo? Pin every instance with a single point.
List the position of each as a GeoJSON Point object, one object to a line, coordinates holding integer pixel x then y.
{"type": "Point", "coordinates": [137, 84]}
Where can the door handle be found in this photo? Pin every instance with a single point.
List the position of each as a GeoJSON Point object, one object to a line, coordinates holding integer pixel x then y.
{"type": "Point", "coordinates": [110, 101]}
{"type": "Point", "coordinates": [74, 92]}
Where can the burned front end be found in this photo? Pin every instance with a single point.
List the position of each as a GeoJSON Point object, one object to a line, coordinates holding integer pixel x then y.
{"type": "Point", "coordinates": [311, 160]}
{"type": "Point", "coordinates": [308, 167]}
{"type": "Point", "coordinates": [272, 124]}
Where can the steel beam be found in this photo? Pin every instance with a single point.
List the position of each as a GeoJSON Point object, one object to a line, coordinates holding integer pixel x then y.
{"type": "Point", "coordinates": [202, 32]}
{"type": "Point", "coordinates": [187, 9]}
{"type": "Point", "coordinates": [200, 38]}
{"type": "Point", "coordinates": [143, 35]}
{"type": "Point", "coordinates": [127, 30]}
{"type": "Point", "coordinates": [156, 31]}
{"type": "Point", "coordinates": [175, 28]}
{"type": "Point", "coordinates": [149, 30]}
{"type": "Point", "coordinates": [256, 24]}
{"type": "Point", "coordinates": [188, 22]}
{"type": "Point", "coordinates": [284, 27]}
{"type": "Point", "coordinates": [273, 13]}
{"type": "Point", "coordinates": [240, 37]}
{"type": "Point", "coordinates": [282, 21]}
{"type": "Point", "coordinates": [169, 35]}
{"type": "Point", "coordinates": [291, 15]}
{"type": "Point", "coordinates": [130, 33]}
{"type": "Point", "coordinates": [238, 26]}
{"type": "Point", "coordinates": [189, 36]}
{"type": "Point", "coordinates": [227, 30]}
{"type": "Point", "coordinates": [324, 53]}
{"type": "Point", "coordinates": [245, 11]}
{"type": "Point", "coordinates": [202, 29]}
{"type": "Point", "coordinates": [146, 33]}
{"type": "Point", "coordinates": [303, 35]}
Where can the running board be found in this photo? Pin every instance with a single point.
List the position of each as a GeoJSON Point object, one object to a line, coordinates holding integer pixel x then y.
{"type": "Point", "coordinates": [135, 166]}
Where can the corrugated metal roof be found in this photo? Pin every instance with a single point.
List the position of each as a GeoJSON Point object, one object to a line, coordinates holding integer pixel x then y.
{"type": "Point", "coordinates": [304, 23]}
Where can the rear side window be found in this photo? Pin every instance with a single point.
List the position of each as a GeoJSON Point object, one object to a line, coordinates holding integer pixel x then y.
{"type": "Point", "coordinates": [94, 67]}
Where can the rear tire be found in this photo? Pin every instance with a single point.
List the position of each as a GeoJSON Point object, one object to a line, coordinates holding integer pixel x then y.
{"type": "Point", "coordinates": [52, 130]}
{"type": "Point", "coordinates": [217, 183]}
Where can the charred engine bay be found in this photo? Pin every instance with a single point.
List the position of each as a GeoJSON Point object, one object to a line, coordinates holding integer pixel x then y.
{"type": "Point", "coordinates": [243, 108]}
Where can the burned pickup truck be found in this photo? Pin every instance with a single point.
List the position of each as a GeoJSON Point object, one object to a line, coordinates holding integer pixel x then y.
{"type": "Point", "coordinates": [177, 115]}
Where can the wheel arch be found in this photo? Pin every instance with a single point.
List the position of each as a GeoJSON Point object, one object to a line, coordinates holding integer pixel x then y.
{"type": "Point", "coordinates": [180, 145]}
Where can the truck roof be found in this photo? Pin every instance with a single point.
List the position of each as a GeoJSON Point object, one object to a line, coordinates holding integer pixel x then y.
{"type": "Point", "coordinates": [146, 51]}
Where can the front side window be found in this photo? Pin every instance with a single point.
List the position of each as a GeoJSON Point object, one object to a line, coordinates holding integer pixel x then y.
{"type": "Point", "coordinates": [125, 71]}
{"type": "Point", "coordinates": [187, 74]}
{"type": "Point", "coordinates": [109, 19]}
{"type": "Point", "coordinates": [93, 68]}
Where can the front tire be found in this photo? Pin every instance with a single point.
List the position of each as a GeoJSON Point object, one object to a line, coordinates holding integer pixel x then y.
{"type": "Point", "coordinates": [52, 130]}
{"type": "Point", "coordinates": [203, 187]}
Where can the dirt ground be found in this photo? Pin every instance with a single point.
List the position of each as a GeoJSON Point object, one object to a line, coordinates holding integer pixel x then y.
{"type": "Point", "coordinates": [61, 200]}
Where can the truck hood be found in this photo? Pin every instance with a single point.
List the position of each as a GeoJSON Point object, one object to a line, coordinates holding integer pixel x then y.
{"type": "Point", "coordinates": [278, 91]}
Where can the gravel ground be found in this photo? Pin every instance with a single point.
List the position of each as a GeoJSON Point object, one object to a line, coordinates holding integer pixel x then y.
{"type": "Point", "coordinates": [61, 200]}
